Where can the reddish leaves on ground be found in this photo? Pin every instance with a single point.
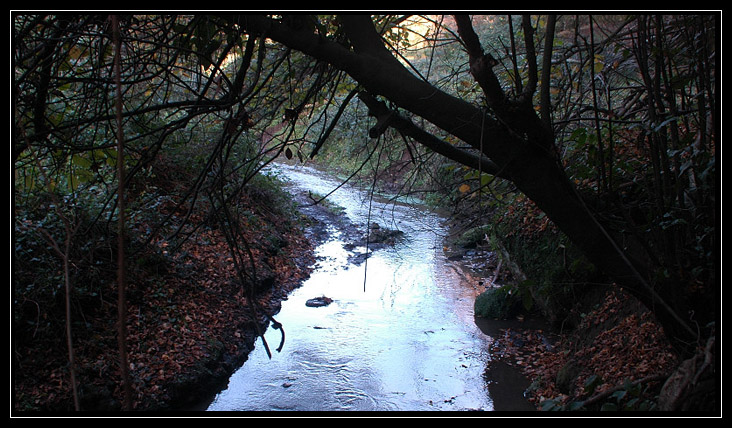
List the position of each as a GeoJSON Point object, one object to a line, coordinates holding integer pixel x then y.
{"type": "Point", "coordinates": [180, 325]}
{"type": "Point", "coordinates": [181, 319]}
{"type": "Point", "coordinates": [611, 343]}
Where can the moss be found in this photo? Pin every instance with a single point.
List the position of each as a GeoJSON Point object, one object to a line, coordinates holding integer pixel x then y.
{"type": "Point", "coordinates": [472, 237]}
{"type": "Point", "coordinates": [494, 303]}
{"type": "Point", "coordinates": [557, 275]}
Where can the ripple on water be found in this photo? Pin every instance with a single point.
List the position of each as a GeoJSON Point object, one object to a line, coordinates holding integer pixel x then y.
{"type": "Point", "coordinates": [399, 334]}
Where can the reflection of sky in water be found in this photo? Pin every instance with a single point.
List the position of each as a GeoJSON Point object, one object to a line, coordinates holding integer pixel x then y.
{"type": "Point", "coordinates": [404, 340]}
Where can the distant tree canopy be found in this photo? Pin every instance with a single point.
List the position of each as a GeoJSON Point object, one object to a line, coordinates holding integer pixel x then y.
{"type": "Point", "coordinates": [607, 123]}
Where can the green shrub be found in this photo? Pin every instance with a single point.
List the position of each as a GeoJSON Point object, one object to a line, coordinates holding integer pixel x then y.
{"type": "Point", "coordinates": [558, 276]}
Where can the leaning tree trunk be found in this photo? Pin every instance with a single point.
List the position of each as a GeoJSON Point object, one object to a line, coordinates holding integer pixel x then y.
{"type": "Point", "coordinates": [518, 144]}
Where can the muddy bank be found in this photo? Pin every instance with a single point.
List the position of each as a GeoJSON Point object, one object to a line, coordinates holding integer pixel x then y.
{"type": "Point", "coordinates": [618, 343]}
{"type": "Point", "coordinates": [190, 322]}
{"type": "Point", "coordinates": [476, 262]}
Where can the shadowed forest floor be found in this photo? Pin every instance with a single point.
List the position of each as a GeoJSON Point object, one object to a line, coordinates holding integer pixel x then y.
{"type": "Point", "coordinates": [191, 324]}
{"type": "Point", "coordinates": [190, 321]}
{"type": "Point", "coordinates": [617, 347]}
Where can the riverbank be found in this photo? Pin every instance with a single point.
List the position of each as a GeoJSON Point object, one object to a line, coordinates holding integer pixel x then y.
{"type": "Point", "coordinates": [190, 322]}
{"type": "Point", "coordinates": [617, 357]}
{"type": "Point", "coordinates": [191, 327]}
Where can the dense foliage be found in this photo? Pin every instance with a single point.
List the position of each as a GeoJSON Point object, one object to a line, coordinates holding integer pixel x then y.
{"type": "Point", "coordinates": [593, 136]}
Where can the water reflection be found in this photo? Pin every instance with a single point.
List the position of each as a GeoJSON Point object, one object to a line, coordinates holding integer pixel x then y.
{"type": "Point", "coordinates": [399, 334]}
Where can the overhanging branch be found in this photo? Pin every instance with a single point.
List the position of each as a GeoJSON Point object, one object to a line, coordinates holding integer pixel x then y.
{"type": "Point", "coordinates": [481, 64]}
{"type": "Point", "coordinates": [333, 123]}
{"type": "Point", "coordinates": [387, 117]}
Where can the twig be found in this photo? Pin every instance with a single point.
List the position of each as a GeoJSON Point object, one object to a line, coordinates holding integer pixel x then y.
{"type": "Point", "coordinates": [497, 271]}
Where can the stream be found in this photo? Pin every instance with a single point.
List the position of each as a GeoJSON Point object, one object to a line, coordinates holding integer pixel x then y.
{"type": "Point", "coordinates": [398, 334]}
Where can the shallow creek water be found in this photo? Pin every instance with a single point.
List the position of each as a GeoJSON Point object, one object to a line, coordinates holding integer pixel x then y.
{"type": "Point", "coordinates": [399, 335]}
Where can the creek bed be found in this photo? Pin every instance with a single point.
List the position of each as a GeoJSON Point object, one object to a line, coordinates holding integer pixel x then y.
{"type": "Point", "coordinates": [397, 332]}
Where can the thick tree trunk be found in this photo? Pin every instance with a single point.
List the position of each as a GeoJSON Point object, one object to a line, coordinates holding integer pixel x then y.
{"type": "Point", "coordinates": [544, 182]}
{"type": "Point", "coordinates": [513, 138]}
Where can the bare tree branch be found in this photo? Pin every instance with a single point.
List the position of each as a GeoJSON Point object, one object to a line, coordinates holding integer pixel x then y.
{"type": "Point", "coordinates": [546, 70]}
